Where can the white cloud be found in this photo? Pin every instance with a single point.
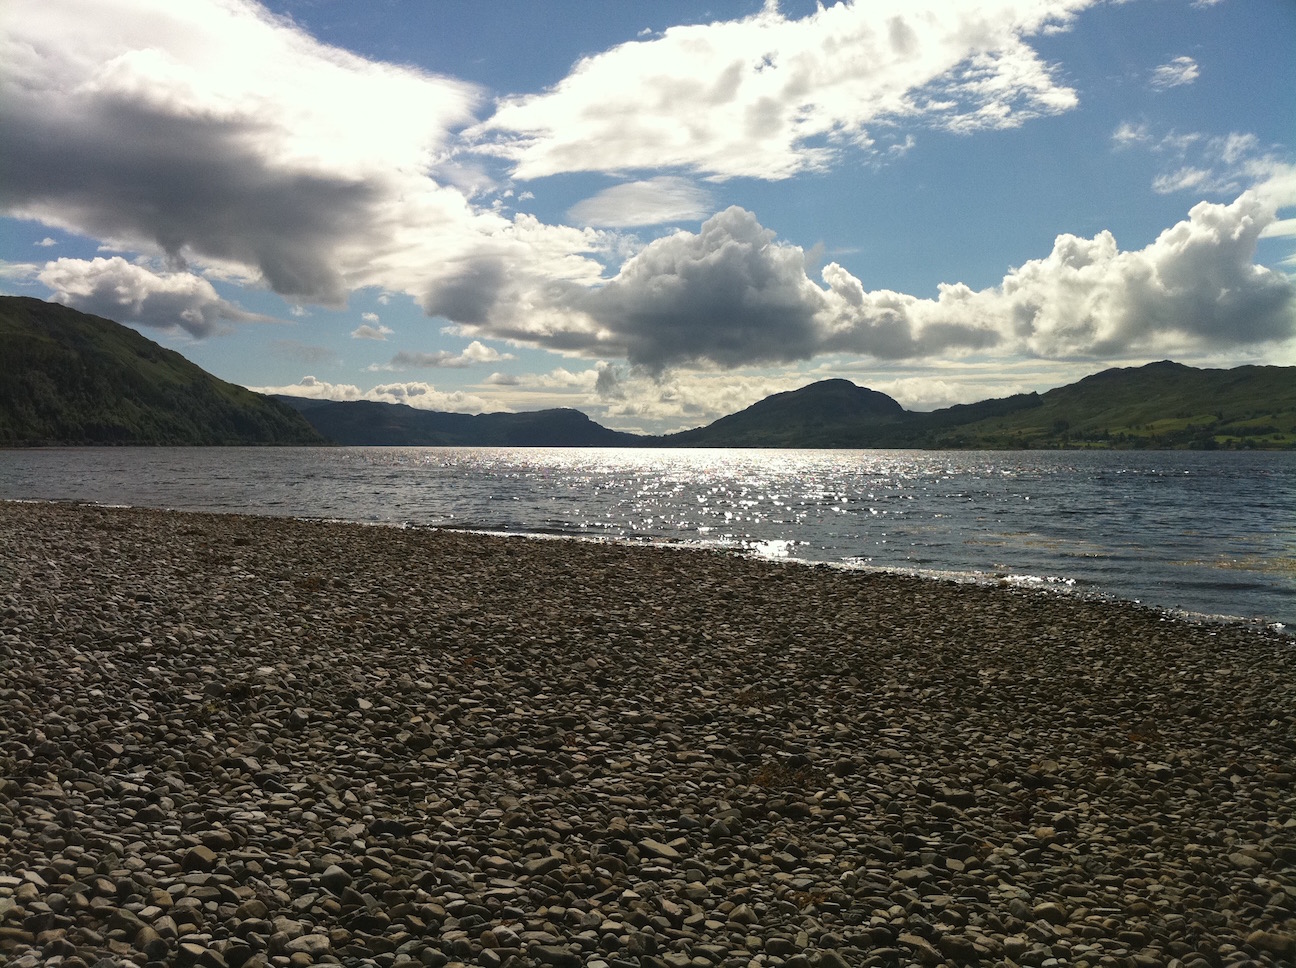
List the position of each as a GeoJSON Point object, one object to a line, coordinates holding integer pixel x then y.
{"type": "Point", "coordinates": [473, 354]}
{"type": "Point", "coordinates": [123, 291]}
{"type": "Point", "coordinates": [368, 331]}
{"type": "Point", "coordinates": [498, 379]}
{"type": "Point", "coordinates": [1219, 164]}
{"type": "Point", "coordinates": [768, 96]}
{"type": "Point", "coordinates": [651, 202]}
{"type": "Point", "coordinates": [1180, 71]}
{"type": "Point", "coordinates": [19, 271]}
{"type": "Point", "coordinates": [423, 396]}
{"type": "Point", "coordinates": [1280, 229]}
{"type": "Point", "coordinates": [1194, 287]}
{"type": "Point", "coordinates": [46, 242]}
{"type": "Point", "coordinates": [1183, 179]}
{"type": "Point", "coordinates": [1128, 134]}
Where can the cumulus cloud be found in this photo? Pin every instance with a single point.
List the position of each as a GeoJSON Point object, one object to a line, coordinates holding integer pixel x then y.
{"type": "Point", "coordinates": [498, 379]}
{"type": "Point", "coordinates": [728, 294]}
{"type": "Point", "coordinates": [732, 295]}
{"type": "Point", "coordinates": [45, 242]}
{"type": "Point", "coordinates": [768, 96]}
{"type": "Point", "coordinates": [126, 292]}
{"type": "Point", "coordinates": [609, 384]}
{"type": "Point", "coordinates": [651, 202]}
{"type": "Point", "coordinates": [1180, 71]}
{"type": "Point", "coordinates": [1196, 286]}
{"type": "Point", "coordinates": [423, 396]}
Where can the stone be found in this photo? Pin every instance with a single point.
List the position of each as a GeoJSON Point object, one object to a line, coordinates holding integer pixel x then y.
{"type": "Point", "coordinates": [335, 879]}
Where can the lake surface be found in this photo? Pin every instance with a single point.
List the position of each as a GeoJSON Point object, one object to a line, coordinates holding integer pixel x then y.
{"type": "Point", "coordinates": [1204, 533]}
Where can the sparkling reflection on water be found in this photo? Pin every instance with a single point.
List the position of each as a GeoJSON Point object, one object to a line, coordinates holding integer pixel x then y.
{"type": "Point", "coordinates": [1205, 533]}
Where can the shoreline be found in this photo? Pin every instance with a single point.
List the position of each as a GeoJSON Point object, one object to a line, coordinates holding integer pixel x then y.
{"type": "Point", "coordinates": [1047, 585]}
{"type": "Point", "coordinates": [246, 740]}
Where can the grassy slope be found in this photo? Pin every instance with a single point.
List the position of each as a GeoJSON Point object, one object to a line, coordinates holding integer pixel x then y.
{"type": "Point", "coordinates": [71, 378]}
{"type": "Point", "coordinates": [1161, 405]}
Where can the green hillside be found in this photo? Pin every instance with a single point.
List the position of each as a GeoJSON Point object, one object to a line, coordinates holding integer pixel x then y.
{"type": "Point", "coordinates": [70, 378]}
{"type": "Point", "coordinates": [1161, 405]}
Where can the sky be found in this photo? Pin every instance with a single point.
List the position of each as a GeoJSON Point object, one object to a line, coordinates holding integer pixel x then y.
{"type": "Point", "coordinates": [657, 213]}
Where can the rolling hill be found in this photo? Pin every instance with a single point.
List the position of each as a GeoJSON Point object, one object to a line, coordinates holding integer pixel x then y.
{"type": "Point", "coordinates": [71, 378]}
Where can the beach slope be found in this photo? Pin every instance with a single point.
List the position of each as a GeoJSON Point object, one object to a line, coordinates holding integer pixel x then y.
{"type": "Point", "coordinates": [230, 740]}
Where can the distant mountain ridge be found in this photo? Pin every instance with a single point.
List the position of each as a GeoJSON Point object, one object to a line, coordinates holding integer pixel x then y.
{"type": "Point", "coordinates": [67, 377]}
{"type": "Point", "coordinates": [70, 378]}
{"type": "Point", "coordinates": [1160, 405]}
{"type": "Point", "coordinates": [370, 423]}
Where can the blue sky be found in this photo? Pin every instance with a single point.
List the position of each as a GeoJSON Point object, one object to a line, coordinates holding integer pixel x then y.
{"type": "Point", "coordinates": [657, 213]}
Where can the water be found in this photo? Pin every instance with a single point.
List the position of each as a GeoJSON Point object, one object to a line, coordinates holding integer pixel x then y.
{"type": "Point", "coordinates": [1204, 533]}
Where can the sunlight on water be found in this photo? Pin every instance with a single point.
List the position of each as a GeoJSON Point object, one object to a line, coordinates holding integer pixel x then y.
{"type": "Point", "coordinates": [1212, 533]}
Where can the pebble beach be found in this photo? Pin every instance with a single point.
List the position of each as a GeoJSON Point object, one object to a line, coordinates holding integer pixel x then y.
{"type": "Point", "coordinates": [245, 741]}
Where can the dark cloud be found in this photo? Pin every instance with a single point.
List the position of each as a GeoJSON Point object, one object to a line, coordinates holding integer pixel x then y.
{"type": "Point", "coordinates": [470, 294]}
{"type": "Point", "coordinates": [196, 187]}
{"type": "Point", "coordinates": [729, 295]}
{"type": "Point", "coordinates": [607, 385]}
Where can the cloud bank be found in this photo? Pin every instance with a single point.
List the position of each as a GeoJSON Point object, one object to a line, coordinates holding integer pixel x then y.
{"type": "Point", "coordinates": [422, 396]}
{"type": "Point", "coordinates": [732, 295]}
{"type": "Point", "coordinates": [214, 136]}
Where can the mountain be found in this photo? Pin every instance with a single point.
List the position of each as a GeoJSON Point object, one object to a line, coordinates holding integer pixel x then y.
{"type": "Point", "coordinates": [369, 423]}
{"type": "Point", "coordinates": [72, 378]}
{"type": "Point", "coordinates": [822, 414]}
